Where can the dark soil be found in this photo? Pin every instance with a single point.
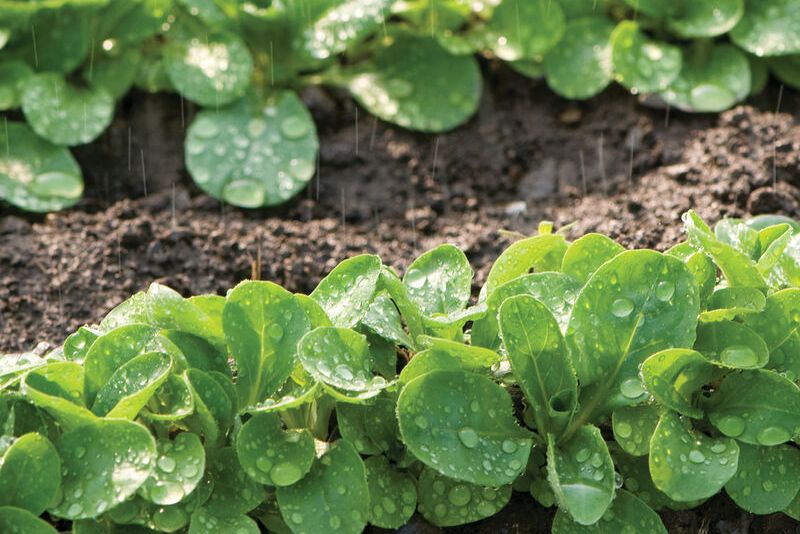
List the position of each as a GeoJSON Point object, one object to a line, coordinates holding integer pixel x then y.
{"type": "Point", "coordinates": [608, 165]}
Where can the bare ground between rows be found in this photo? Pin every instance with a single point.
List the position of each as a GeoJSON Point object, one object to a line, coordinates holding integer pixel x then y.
{"type": "Point", "coordinates": [608, 165]}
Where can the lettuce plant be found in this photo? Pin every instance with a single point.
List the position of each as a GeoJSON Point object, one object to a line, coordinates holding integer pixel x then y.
{"type": "Point", "coordinates": [63, 63]}
{"type": "Point", "coordinates": [609, 383]}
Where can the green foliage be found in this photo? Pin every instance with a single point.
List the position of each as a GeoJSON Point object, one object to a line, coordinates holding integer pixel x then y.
{"type": "Point", "coordinates": [412, 63]}
{"type": "Point", "coordinates": [609, 383]}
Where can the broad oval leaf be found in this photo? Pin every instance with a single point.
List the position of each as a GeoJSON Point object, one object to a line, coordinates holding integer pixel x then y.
{"type": "Point", "coordinates": [731, 344]}
{"type": "Point", "coordinates": [172, 401]}
{"type": "Point", "coordinates": [212, 70]}
{"type": "Point", "coordinates": [346, 293]}
{"type": "Point", "coordinates": [705, 18]}
{"type": "Point", "coordinates": [13, 73]}
{"type": "Point", "coordinates": [132, 386]}
{"type": "Point", "coordinates": [581, 474]}
{"type": "Point", "coordinates": [642, 65]}
{"type": "Point", "coordinates": [627, 513]}
{"type": "Point", "coordinates": [471, 356]}
{"type": "Point", "coordinates": [64, 114]}
{"type": "Point", "coordinates": [371, 428]}
{"type": "Point", "coordinates": [636, 304]}
{"type": "Point", "coordinates": [759, 407]}
{"type": "Point", "coordinates": [728, 303]}
{"type": "Point", "coordinates": [539, 359]}
{"type": "Point", "coordinates": [234, 492]}
{"type": "Point", "coordinates": [263, 324]}
{"type": "Point", "coordinates": [440, 280]}
{"type": "Point", "coordinates": [34, 174]}
{"type": "Point", "coordinates": [633, 426]}
{"type": "Point", "coordinates": [462, 425]}
{"type": "Point", "coordinates": [213, 409]}
{"type": "Point", "coordinates": [57, 388]}
{"type": "Point", "coordinates": [768, 478]}
{"type": "Point", "coordinates": [688, 465]}
{"type": "Point", "coordinates": [205, 522]}
{"type": "Point", "coordinates": [446, 502]}
{"type": "Point", "coordinates": [417, 84]}
{"type": "Point", "coordinates": [20, 520]}
{"type": "Point", "coordinates": [334, 495]}
{"type": "Point", "coordinates": [538, 253]}
{"type": "Point", "coordinates": [384, 319]}
{"type": "Point", "coordinates": [30, 474]}
{"type": "Point", "coordinates": [103, 463]}
{"type": "Point", "coordinates": [343, 25]}
{"type": "Point", "coordinates": [586, 254]}
{"type": "Point", "coordinates": [675, 377]}
{"type": "Point", "coordinates": [253, 153]}
{"type": "Point", "coordinates": [585, 48]}
{"type": "Point", "coordinates": [512, 35]}
{"type": "Point", "coordinates": [272, 455]}
{"type": "Point", "coordinates": [769, 28]}
{"type": "Point", "coordinates": [392, 494]}
{"type": "Point", "coordinates": [179, 468]}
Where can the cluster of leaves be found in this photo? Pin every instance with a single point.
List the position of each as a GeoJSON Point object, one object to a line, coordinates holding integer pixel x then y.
{"type": "Point", "coordinates": [409, 62]}
{"type": "Point", "coordinates": [610, 383]}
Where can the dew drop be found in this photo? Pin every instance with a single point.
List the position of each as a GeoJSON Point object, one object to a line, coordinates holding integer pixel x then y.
{"type": "Point", "coordinates": [294, 127]}
{"type": "Point", "coordinates": [665, 290]}
{"type": "Point", "coordinates": [285, 474]}
{"type": "Point", "coordinates": [696, 456]}
{"type": "Point", "coordinates": [740, 356]}
{"type": "Point", "coordinates": [624, 430]}
{"type": "Point", "coordinates": [772, 435]}
{"type": "Point", "coordinates": [459, 495]}
{"type": "Point", "coordinates": [244, 193]}
{"type": "Point", "coordinates": [622, 307]}
{"type": "Point", "coordinates": [468, 437]}
{"type": "Point", "coordinates": [731, 425]}
{"type": "Point", "coordinates": [631, 388]}
{"type": "Point", "coordinates": [509, 446]}
{"type": "Point", "coordinates": [415, 278]}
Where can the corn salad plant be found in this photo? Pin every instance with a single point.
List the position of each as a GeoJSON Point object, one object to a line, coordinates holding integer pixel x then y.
{"type": "Point", "coordinates": [64, 63]}
{"type": "Point", "coordinates": [609, 383]}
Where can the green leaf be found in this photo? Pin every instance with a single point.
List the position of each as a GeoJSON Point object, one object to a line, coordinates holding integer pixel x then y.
{"type": "Point", "coordinates": [539, 360]}
{"type": "Point", "coordinates": [710, 81]}
{"type": "Point", "coordinates": [633, 426]}
{"type": "Point", "coordinates": [234, 492]}
{"type": "Point", "coordinates": [253, 153]}
{"type": "Point", "coordinates": [103, 463]}
{"type": "Point", "coordinates": [372, 428]}
{"type": "Point", "coordinates": [768, 478]}
{"type": "Point", "coordinates": [636, 304]}
{"type": "Point", "coordinates": [213, 70]}
{"type": "Point", "coordinates": [334, 495]}
{"type": "Point", "coordinates": [446, 502]}
{"type": "Point", "coordinates": [346, 293]}
{"type": "Point", "coordinates": [172, 402]}
{"type": "Point", "coordinates": [113, 71]}
{"type": "Point", "coordinates": [344, 25]}
{"type": "Point", "coordinates": [64, 114]}
{"type": "Point", "coordinates": [30, 474]}
{"type": "Point", "coordinates": [581, 474]}
{"type": "Point", "coordinates": [432, 360]}
{"type": "Point", "coordinates": [737, 234]}
{"type": "Point", "coordinates": [512, 36]}
{"type": "Point", "coordinates": [586, 254]}
{"type": "Point", "coordinates": [392, 494]}
{"type": "Point", "coordinates": [57, 388]}
{"type": "Point", "coordinates": [675, 377]}
{"type": "Point", "coordinates": [341, 358]}
{"type": "Point", "coordinates": [77, 344]}
{"type": "Point", "coordinates": [14, 366]}
{"type": "Point", "coordinates": [786, 69]}
{"type": "Point", "coordinates": [635, 472]}
{"type": "Point", "coordinates": [166, 308]}
{"type": "Point", "coordinates": [440, 280]}
{"type": "Point", "coordinates": [213, 410]}
{"type": "Point", "coordinates": [779, 321]}
{"type": "Point", "coordinates": [759, 407]}
{"type": "Point", "coordinates": [585, 48]}
{"type": "Point", "coordinates": [132, 386]}
{"type": "Point", "coordinates": [205, 522]}
{"type": "Point", "coordinates": [462, 425]}
{"type": "Point", "coordinates": [291, 395]}
{"type": "Point", "coordinates": [705, 18]}
{"type": "Point", "coordinates": [18, 520]}
{"type": "Point", "coordinates": [263, 324]}
{"type": "Point", "coordinates": [738, 269]}
{"type": "Point", "coordinates": [700, 265]}
{"type": "Point", "coordinates": [728, 303]}
{"type": "Point", "coordinates": [539, 253]}
{"type": "Point", "coordinates": [272, 455]}
{"type": "Point", "coordinates": [556, 291]}
{"type": "Point", "coordinates": [384, 319]}
{"type": "Point", "coordinates": [688, 465]}
{"type": "Point", "coordinates": [34, 174]}
{"type": "Point", "coordinates": [769, 28]}
{"type": "Point", "coordinates": [417, 84]}
{"type": "Point", "coordinates": [627, 512]}
{"type": "Point", "coordinates": [180, 466]}
{"type": "Point", "coordinates": [13, 74]}
{"type": "Point", "coordinates": [731, 344]}
{"type": "Point", "coordinates": [640, 64]}
{"type": "Point", "coordinates": [470, 356]}
{"type": "Point", "coordinates": [62, 37]}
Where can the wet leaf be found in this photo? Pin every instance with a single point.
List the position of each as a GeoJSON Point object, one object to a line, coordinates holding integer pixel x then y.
{"type": "Point", "coordinates": [581, 474]}
{"type": "Point", "coordinates": [344, 25]}
{"type": "Point", "coordinates": [417, 84]}
{"type": "Point", "coordinates": [626, 512]}
{"type": "Point", "coordinates": [235, 493]}
{"type": "Point", "coordinates": [384, 319]}
{"type": "Point", "coordinates": [204, 522]}
{"type": "Point", "coordinates": [633, 426]}
{"type": "Point", "coordinates": [347, 291]}
{"type": "Point", "coordinates": [179, 468]}
{"type": "Point", "coordinates": [640, 64]}
{"type": "Point", "coordinates": [272, 455]}
{"type": "Point", "coordinates": [440, 280]}
{"type": "Point", "coordinates": [132, 386]}
{"type": "Point", "coordinates": [585, 48]}
{"type": "Point", "coordinates": [688, 465]}
{"type": "Point", "coordinates": [13, 74]}
{"type": "Point", "coordinates": [586, 254]}
{"type": "Point", "coordinates": [372, 428]}
{"type": "Point", "coordinates": [392, 494]}
{"type": "Point", "coordinates": [447, 502]}
{"type": "Point", "coordinates": [253, 153]}
{"type": "Point", "coordinates": [213, 410]}
{"type": "Point", "coordinates": [103, 463]}
{"type": "Point", "coordinates": [675, 377]}
{"type": "Point", "coordinates": [263, 324]}
{"type": "Point", "coordinates": [769, 28]}
{"type": "Point", "coordinates": [768, 478]}
{"type": "Point", "coordinates": [759, 407]}
{"type": "Point", "coordinates": [461, 424]}
{"type": "Point", "coordinates": [512, 37]}
{"type": "Point", "coordinates": [731, 344]}
{"type": "Point", "coordinates": [728, 303]}
{"type": "Point", "coordinates": [30, 474]}
{"type": "Point", "coordinates": [539, 253]}
{"type": "Point", "coordinates": [19, 520]}
{"type": "Point", "coordinates": [334, 496]}
{"type": "Point", "coordinates": [705, 18]}
{"type": "Point", "coordinates": [57, 388]}
{"type": "Point", "coordinates": [34, 174]}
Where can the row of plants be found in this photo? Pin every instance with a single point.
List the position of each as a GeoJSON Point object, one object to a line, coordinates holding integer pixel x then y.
{"type": "Point", "coordinates": [609, 383]}
{"type": "Point", "coordinates": [64, 64]}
